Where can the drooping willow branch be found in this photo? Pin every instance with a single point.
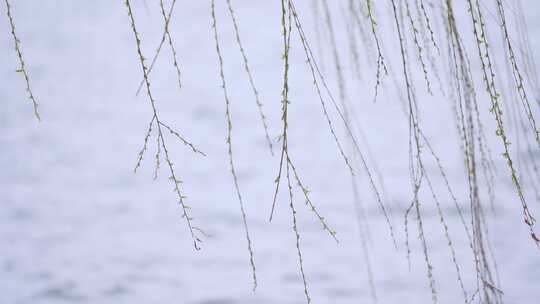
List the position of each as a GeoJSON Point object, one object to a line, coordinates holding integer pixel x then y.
{"type": "Point", "coordinates": [166, 21]}
{"type": "Point", "coordinates": [469, 128]}
{"type": "Point", "coordinates": [316, 75]}
{"type": "Point", "coordinates": [250, 77]}
{"type": "Point", "coordinates": [229, 138]}
{"type": "Point", "coordinates": [516, 71]}
{"type": "Point", "coordinates": [166, 36]}
{"type": "Point", "coordinates": [159, 127]}
{"type": "Point", "coordinates": [484, 54]}
{"type": "Point", "coordinates": [22, 64]}
{"type": "Point", "coordinates": [381, 65]}
{"type": "Point", "coordinates": [286, 26]}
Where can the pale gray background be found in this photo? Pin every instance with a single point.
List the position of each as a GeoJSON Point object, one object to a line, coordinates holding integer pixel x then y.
{"type": "Point", "coordinates": [77, 226]}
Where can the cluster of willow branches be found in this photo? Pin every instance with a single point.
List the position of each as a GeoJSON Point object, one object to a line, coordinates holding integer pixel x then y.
{"type": "Point", "coordinates": [435, 50]}
{"type": "Point", "coordinates": [427, 34]}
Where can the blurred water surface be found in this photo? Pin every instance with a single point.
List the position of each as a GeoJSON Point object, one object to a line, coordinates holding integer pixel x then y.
{"type": "Point", "coordinates": [77, 226]}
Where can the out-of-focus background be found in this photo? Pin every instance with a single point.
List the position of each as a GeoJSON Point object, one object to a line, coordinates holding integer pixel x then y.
{"type": "Point", "coordinates": [77, 226]}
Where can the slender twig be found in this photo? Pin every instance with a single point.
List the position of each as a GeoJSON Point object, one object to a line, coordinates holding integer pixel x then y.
{"type": "Point", "coordinates": [22, 64]}
{"type": "Point", "coordinates": [229, 144]}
